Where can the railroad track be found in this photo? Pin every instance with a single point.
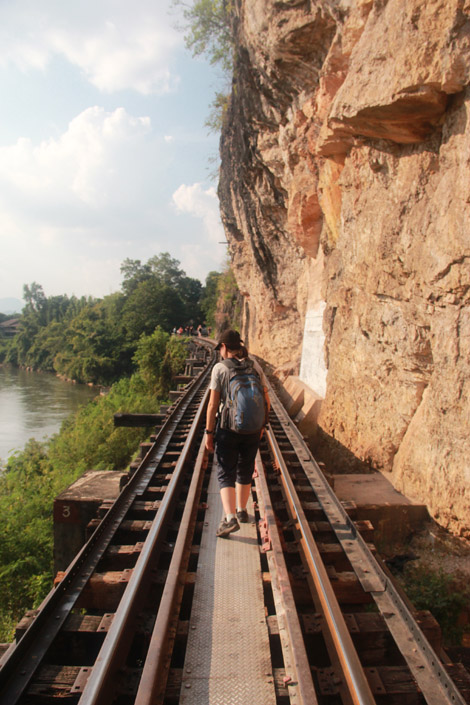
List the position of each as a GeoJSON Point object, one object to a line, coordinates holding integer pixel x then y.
{"type": "Point", "coordinates": [351, 637]}
{"type": "Point", "coordinates": [115, 629]}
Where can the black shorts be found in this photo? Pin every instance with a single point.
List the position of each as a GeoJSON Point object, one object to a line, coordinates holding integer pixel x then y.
{"type": "Point", "coordinates": [236, 454]}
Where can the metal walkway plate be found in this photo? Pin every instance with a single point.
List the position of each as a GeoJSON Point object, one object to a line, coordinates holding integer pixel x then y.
{"type": "Point", "coordinates": [227, 656]}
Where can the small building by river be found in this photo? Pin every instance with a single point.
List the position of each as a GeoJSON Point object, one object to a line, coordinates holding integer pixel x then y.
{"type": "Point", "coordinates": [9, 328]}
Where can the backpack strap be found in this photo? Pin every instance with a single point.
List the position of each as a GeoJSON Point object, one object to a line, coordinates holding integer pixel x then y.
{"type": "Point", "coordinates": [232, 364]}
{"type": "Point", "coordinates": [235, 365]}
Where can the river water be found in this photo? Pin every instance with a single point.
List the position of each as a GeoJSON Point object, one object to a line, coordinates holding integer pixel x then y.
{"type": "Point", "coordinates": [33, 405]}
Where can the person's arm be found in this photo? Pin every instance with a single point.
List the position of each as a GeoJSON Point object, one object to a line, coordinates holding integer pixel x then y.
{"type": "Point", "coordinates": [214, 401]}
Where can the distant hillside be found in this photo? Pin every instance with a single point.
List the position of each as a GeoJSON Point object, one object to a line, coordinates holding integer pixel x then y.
{"type": "Point", "coordinates": [11, 305]}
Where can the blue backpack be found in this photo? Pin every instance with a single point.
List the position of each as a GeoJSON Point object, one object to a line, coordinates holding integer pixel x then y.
{"type": "Point", "coordinates": [244, 409]}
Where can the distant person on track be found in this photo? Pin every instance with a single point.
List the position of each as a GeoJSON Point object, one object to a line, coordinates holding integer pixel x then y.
{"type": "Point", "coordinates": [236, 417]}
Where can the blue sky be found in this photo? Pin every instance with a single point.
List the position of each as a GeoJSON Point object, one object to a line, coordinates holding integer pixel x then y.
{"type": "Point", "coordinates": [103, 150]}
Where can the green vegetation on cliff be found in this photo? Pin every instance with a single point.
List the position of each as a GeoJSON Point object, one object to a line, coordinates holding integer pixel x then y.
{"type": "Point", "coordinates": [207, 27]}
{"type": "Point", "coordinates": [222, 302]}
{"type": "Point", "coordinates": [208, 31]}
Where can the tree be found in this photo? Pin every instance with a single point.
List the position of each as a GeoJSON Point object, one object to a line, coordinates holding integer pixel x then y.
{"type": "Point", "coordinates": [218, 111]}
{"type": "Point", "coordinates": [94, 348]}
{"type": "Point", "coordinates": [152, 304]}
{"type": "Point", "coordinates": [149, 356]}
{"type": "Point", "coordinates": [46, 344]}
{"type": "Point", "coordinates": [34, 297]}
{"type": "Point", "coordinates": [208, 30]}
{"type": "Point", "coordinates": [173, 363]}
{"type": "Point", "coordinates": [134, 273]}
{"type": "Point", "coordinates": [209, 297]}
{"type": "Point", "coordinates": [229, 306]}
{"type": "Point", "coordinates": [55, 308]}
{"type": "Point", "coordinates": [190, 291]}
{"type": "Point", "coordinates": [94, 340]}
{"type": "Point", "coordinates": [166, 269]}
{"type": "Point", "coordinates": [158, 294]}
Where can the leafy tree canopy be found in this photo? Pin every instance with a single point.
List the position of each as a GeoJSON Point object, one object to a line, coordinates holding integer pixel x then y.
{"type": "Point", "coordinates": [166, 270]}
{"type": "Point", "coordinates": [134, 272]}
{"type": "Point", "coordinates": [151, 304]}
{"type": "Point", "coordinates": [149, 356]}
{"type": "Point", "coordinates": [34, 297]}
{"type": "Point", "coordinates": [209, 298]}
{"type": "Point", "coordinates": [159, 294]}
{"type": "Point", "coordinates": [94, 343]}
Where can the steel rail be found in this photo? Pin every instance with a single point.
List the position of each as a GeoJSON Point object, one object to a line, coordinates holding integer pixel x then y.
{"type": "Point", "coordinates": [21, 661]}
{"type": "Point", "coordinates": [357, 683]}
{"type": "Point", "coordinates": [155, 672]}
{"type": "Point", "coordinates": [100, 683]}
{"type": "Point", "coordinates": [433, 680]}
{"type": "Point", "coordinates": [296, 657]}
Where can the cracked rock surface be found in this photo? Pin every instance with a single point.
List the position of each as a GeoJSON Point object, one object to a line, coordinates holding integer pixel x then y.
{"type": "Point", "coordinates": [345, 181]}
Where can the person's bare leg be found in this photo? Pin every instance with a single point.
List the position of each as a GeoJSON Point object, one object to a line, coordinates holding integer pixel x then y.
{"type": "Point", "coordinates": [227, 495]}
{"type": "Point", "coordinates": [229, 521]}
{"type": "Point", "coordinates": [242, 495]}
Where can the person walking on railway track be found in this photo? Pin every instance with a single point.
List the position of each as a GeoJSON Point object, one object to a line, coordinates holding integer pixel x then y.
{"type": "Point", "coordinates": [236, 416]}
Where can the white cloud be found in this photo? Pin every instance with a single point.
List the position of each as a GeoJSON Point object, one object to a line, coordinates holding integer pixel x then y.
{"type": "Point", "coordinates": [87, 194]}
{"type": "Point", "coordinates": [93, 163]}
{"type": "Point", "coordinates": [76, 204]}
{"type": "Point", "coordinates": [117, 44]}
{"type": "Point", "coordinates": [74, 207]}
{"type": "Point", "coordinates": [204, 205]}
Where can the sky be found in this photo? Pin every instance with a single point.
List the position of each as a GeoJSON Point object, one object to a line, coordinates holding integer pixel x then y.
{"type": "Point", "coordinates": [103, 150]}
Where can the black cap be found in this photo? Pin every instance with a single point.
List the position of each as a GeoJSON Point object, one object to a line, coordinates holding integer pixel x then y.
{"type": "Point", "coordinates": [230, 338]}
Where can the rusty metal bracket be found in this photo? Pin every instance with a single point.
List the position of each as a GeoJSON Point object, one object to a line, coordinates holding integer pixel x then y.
{"type": "Point", "coordinates": [80, 680]}
{"type": "Point", "coordinates": [266, 543]}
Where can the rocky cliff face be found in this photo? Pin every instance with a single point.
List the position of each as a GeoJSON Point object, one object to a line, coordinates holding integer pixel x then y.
{"type": "Point", "coordinates": [345, 194]}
